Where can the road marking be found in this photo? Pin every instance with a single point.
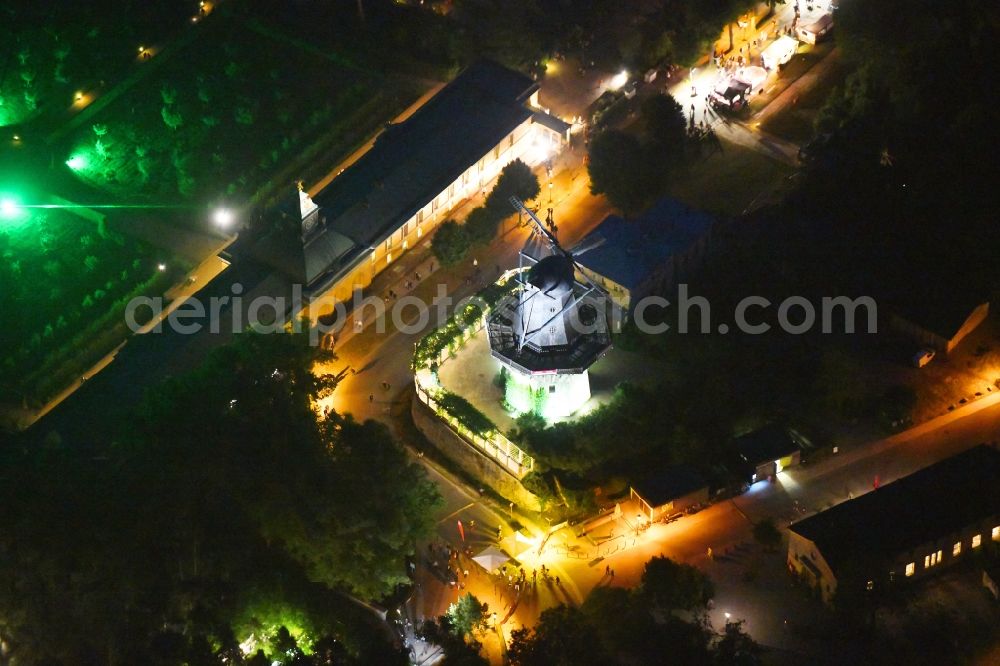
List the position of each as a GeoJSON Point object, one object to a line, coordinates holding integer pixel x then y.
{"type": "Point", "coordinates": [456, 512]}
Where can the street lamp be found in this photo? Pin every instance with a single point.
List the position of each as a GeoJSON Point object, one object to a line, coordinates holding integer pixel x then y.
{"type": "Point", "coordinates": [223, 217]}
{"type": "Point", "coordinates": [161, 267]}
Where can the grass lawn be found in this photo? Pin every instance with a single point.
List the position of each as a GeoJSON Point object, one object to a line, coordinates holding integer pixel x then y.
{"type": "Point", "coordinates": [222, 116]}
{"type": "Point", "coordinates": [66, 280]}
{"type": "Point", "coordinates": [727, 182]}
{"type": "Point", "coordinates": [795, 122]}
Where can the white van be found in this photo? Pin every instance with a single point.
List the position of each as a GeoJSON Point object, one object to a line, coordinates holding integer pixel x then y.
{"type": "Point", "coordinates": [814, 32]}
{"type": "Point", "coordinates": [779, 52]}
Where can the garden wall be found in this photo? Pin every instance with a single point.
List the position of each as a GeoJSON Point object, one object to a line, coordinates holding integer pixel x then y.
{"type": "Point", "coordinates": [469, 459]}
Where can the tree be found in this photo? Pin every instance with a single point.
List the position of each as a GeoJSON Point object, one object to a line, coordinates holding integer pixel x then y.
{"type": "Point", "coordinates": [458, 650]}
{"type": "Point", "coordinates": [617, 170]}
{"type": "Point", "coordinates": [668, 585]}
{"type": "Point", "coordinates": [481, 225]}
{"type": "Point", "coordinates": [223, 492]}
{"type": "Point", "coordinates": [736, 648]}
{"type": "Point", "coordinates": [451, 243]}
{"type": "Point", "coordinates": [516, 180]}
{"type": "Point", "coordinates": [467, 615]}
{"type": "Point", "coordinates": [563, 636]}
{"type": "Point", "coordinates": [767, 534]}
{"type": "Point", "coordinates": [664, 122]}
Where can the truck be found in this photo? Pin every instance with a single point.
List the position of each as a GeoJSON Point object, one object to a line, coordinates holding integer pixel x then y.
{"type": "Point", "coordinates": [734, 93]}
{"type": "Point", "coordinates": [779, 52]}
{"type": "Point", "coordinates": [816, 31]}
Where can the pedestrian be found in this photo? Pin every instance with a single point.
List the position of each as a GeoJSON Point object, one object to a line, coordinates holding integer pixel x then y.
{"type": "Point", "coordinates": [557, 581]}
{"type": "Point", "coordinates": [612, 573]}
{"type": "Point", "coordinates": [692, 109]}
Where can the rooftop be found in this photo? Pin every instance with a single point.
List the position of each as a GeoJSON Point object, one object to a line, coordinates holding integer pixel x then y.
{"type": "Point", "coordinates": [766, 444]}
{"type": "Point", "coordinates": [412, 161]}
{"type": "Point", "coordinates": [669, 484]}
{"type": "Point", "coordinates": [922, 507]}
{"type": "Point", "coordinates": [629, 251]}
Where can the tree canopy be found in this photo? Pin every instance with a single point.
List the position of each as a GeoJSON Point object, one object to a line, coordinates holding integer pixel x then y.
{"type": "Point", "coordinates": [618, 626]}
{"type": "Point", "coordinates": [224, 504]}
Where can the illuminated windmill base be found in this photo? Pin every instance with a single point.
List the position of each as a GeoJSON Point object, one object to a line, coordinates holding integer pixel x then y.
{"type": "Point", "coordinates": [549, 331]}
{"type": "Point", "coordinates": [548, 394]}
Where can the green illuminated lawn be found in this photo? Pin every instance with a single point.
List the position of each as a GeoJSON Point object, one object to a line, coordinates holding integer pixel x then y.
{"type": "Point", "coordinates": [65, 280]}
{"type": "Point", "coordinates": [227, 114]}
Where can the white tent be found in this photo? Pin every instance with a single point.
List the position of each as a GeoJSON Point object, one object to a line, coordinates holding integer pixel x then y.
{"type": "Point", "coordinates": [491, 559]}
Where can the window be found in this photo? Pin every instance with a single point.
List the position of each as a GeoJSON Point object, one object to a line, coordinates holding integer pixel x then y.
{"type": "Point", "coordinates": [927, 561]}
{"type": "Point", "coordinates": [496, 153]}
{"type": "Point", "coordinates": [434, 205]}
{"type": "Point", "coordinates": [956, 550]}
{"type": "Point", "coordinates": [911, 568]}
{"type": "Point", "coordinates": [932, 559]}
{"type": "Point", "coordinates": [420, 216]}
{"type": "Point", "coordinates": [996, 533]}
{"type": "Point", "coordinates": [510, 141]}
{"type": "Point", "coordinates": [388, 244]}
{"type": "Point", "coordinates": [977, 541]}
{"type": "Point", "coordinates": [552, 388]}
{"type": "Point", "coordinates": [870, 585]}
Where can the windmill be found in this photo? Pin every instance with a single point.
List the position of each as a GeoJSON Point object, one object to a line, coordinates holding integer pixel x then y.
{"type": "Point", "coordinates": [552, 328]}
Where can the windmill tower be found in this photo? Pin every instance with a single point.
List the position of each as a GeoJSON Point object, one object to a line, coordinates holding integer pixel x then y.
{"type": "Point", "coordinates": [550, 330]}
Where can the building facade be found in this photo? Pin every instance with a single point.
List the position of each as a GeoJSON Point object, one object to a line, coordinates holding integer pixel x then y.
{"type": "Point", "coordinates": [902, 531]}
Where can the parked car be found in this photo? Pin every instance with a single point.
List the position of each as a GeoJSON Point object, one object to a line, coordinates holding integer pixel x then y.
{"type": "Point", "coordinates": [923, 357]}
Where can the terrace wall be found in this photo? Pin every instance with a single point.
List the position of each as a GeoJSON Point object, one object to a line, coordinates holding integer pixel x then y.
{"type": "Point", "coordinates": [469, 459]}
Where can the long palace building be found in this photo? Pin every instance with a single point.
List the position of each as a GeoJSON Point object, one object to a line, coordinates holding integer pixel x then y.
{"type": "Point", "coordinates": [415, 174]}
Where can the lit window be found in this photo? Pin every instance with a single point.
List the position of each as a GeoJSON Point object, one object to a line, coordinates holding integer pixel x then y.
{"type": "Point", "coordinates": [911, 568]}
{"type": "Point", "coordinates": [871, 585]}
{"type": "Point", "coordinates": [977, 541]}
{"type": "Point", "coordinates": [956, 550]}
{"type": "Point", "coordinates": [927, 561]}
{"type": "Point", "coordinates": [996, 533]}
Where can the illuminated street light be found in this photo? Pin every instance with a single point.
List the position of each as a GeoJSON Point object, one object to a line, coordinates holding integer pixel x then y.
{"type": "Point", "coordinates": [223, 217]}
{"type": "Point", "coordinates": [78, 96]}
{"type": "Point", "coordinates": [141, 49]}
{"type": "Point", "coordinates": [161, 267]}
{"type": "Point", "coordinates": [727, 615]}
{"type": "Point", "coordinates": [618, 80]}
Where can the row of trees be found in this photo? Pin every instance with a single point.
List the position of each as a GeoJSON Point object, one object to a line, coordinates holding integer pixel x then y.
{"type": "Point", "coordinates": [220, 511]}
{"type": "Point", "coordinates": [640, 626]}
{"type": "Point", "coordinates": [453, 241]}
{"type": "Point", "coordinates": [613, 626]}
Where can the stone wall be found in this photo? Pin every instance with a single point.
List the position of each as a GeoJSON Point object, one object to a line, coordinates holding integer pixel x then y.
{"type": "Point", "coordinates": [471, 460]}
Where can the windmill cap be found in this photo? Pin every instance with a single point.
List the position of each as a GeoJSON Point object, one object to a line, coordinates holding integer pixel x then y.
{"type": "Point", "coordinates": [552, 273]}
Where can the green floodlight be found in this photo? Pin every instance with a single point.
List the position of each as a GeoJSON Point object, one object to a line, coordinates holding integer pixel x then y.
{"type": "Point", "coordinates": [9, 208]}
{"type": "Point", "coordinates": [77, 162]}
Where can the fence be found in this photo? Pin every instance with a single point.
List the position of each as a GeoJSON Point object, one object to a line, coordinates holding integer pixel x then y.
{"type": "Point", "coordinates": [494, 444]}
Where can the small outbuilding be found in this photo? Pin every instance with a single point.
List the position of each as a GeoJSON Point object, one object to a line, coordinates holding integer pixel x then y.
{"type": "Point", "coordinates": [671, 490]}
{"type": "Point", "coordinates": [766, 451]}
